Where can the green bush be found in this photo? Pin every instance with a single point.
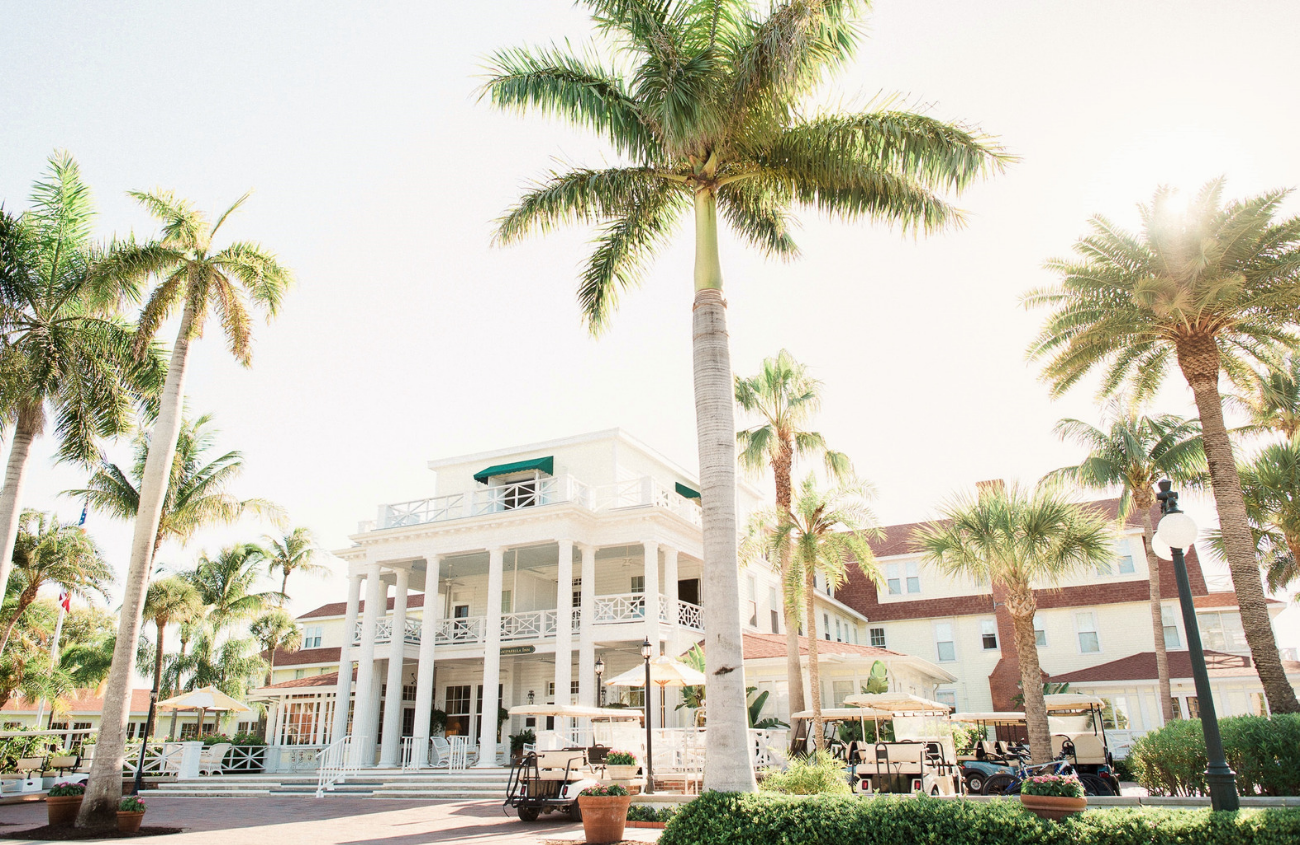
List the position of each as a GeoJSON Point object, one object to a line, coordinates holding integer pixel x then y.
{"type": "Point", "coordinates": [717, 818]}
{"type": "Point", "coordinates": [1261, 750]}
{"type": "Point", "coordinates": [646, 813]}
{"type": "Point", "coordinates": [248, 739]}
{"type": "Point", "coordinates": [14, 748]}
{"type": "Point", "coordinates": [817, 774]}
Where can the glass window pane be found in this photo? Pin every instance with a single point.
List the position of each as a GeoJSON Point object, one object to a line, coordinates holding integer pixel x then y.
{"type": "Point", "coordinates": [1126, 565]}
{"type": "Point", "coordinates": [1088, 643]}
{"type": "Point", "coordinates": [895, 588]}
{"type": "Point", "coordinates": [947, 652]}
{"type": "Point", "coordinates": [913, 584]}
{"type": "Point", "coordinates": [878, 637]}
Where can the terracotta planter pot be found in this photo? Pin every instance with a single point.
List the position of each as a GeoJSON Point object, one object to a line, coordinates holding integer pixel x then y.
{"type": "Point", "coordinates": [621, 772]}
{"type": "Point", "coordinates": [129, 822]}
{"type": "Point", "coordinates": [1053, 807]}
{"type": "Point", "coordinates": [63, 810]}
{"type": "Point", "coordinates": [604, 817]}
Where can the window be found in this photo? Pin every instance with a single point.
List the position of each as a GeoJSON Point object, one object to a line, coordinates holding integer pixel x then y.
{"type": "Point", "coordinates": [573, 688]}
{"type": "Point", "coordinates": [1258, 705]}
{"type": "Point", "coordinates": [1169, 620]}
{"type": "Point", "coordinates": [577, 592]}
{"type": "Point", "coordinates": [1191, 707]}
{"type": "Point", "coordinates": [1115, 714]}
{"type": "Point", "coordinates": [550, 691]}
{"type": "Point", "coordinates": [841, 690]}
{"type": "Point", "coordinates": [457, 709]}
{"type": "Point", "coordinates": [855, 635]}
{"type": "Point", "coordinates": [1222, 631]}
{"type": "Point", "coordinates": [507, 601]}
{"type": "Point", "coordinates": [751, 593]}
{"type": "Point", "coordinates": [311, 637]}
{"type": "Point", "coordinates": [903, 576]}
{"type": "Point", "coordinates": [878, 637]}
{"type": "Point", "coordinates": [638, 583]}
{"type": "Point", "coordinates": [1126, 565]}
{"type": "Point", "coordinates": [826, 626]}
{"type": "Point", "coordinates": [943, 642]}
{"type": "Point", "coordinates": [1040, 632]}
{"type": "Point", "coordinates": [775, 611]}
{"type": "Point", "coordinates": [839, 635]}
{"type": "Point", "coordinates": [519, 494]}
{"type": "Point", "coordinates": [946, 696]}
{"type": "Point", "coordinates": [989, 634]}
{"type": "Point", "coordinates": [299, 673]}
{"type": "Point", "coordinates": [1086, 625]}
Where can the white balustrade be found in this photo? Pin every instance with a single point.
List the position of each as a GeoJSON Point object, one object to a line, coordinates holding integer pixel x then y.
{"type": "Point", "coordinates": [690, 616]}
{"type": "Point", "coordinates": [335, 765]}
{"type": "Point", "coordinates": [462, 630]}
{"type": "Point", "coordinates": [529, 625]}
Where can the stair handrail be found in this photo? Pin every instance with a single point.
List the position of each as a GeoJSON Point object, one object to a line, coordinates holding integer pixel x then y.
{"type": "Point", "coordinates": [335, 764]}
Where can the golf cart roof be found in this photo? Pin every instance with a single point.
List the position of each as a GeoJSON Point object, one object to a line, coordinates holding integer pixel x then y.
{"type": "Point", "coordinates": [897, 703]}
{"type": "Point", "coordinates": [1006, 717]}
{"type": "Point", "coordinates": [575, 711]}
{"type": "Point", "coordinates": [839, 714]}
{"type": "Point", "coordinates": [1072, 701]}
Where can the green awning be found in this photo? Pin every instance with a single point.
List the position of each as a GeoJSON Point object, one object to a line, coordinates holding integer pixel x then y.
{"type": "Point", "coordinates": [683, 490]}
{"type": "Point", "coordinates": [546, 465]}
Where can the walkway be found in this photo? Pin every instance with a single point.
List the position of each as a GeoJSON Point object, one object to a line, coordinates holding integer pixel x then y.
{"type": "Point", "coordinates": [332, 821]}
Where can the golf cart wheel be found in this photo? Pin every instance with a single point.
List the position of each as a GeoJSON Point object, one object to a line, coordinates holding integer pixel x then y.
{"type": "Point", "coordinates": [975, 785]}
{"type": "Point", "coordinates": [1095, 786]}
{"type": "Point", "coordinates": [998, 784]}
{"type": "Point", "coordinates": [528, 814]}
{"type": "Point", "coordinates": [575, 812]}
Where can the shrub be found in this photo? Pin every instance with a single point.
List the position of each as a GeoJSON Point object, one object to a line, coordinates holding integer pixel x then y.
{"type": "Point", "coordinates": [1124, 769]}
{"type": "Point", "coordinates": [213, 739]}
{"type": "Point", "coordinates": [621, 758]}
{"type": "Point", "coordinates": [1261, 750]}
{"type": "Point", "coordinates": [646, 813]}
{"type": "Point", "coordinates": [1053, 786]}
{"type": "Point", "coordinates": [248, 739]}
{"type": "Point", "coordinates": [604, 791]}
{"type": "Point", "coordinates": [67, 790]}
{"type": "Point", "coordinates": [519, 740]}
{"type": "Point", "coordinates": [14, 748]}
{"type": "Point", "coordinates": [131, 804]}
{"type": "Point", "coordinates": [818, 774]}
{"type": "Point", "coordinates": [717, 818]}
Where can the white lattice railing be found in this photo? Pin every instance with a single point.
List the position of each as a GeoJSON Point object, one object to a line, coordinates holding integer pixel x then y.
{"type": "Point", "coordinates": [420, 511]}
{"type": "Point", "coordinates": [160, 758]}
{"type": "Point", "coordinates": [335, 765]}
{"type": "Point", "coordinates": [463, 630]}
{"type": "Point", "coordinates": [529, 625]}
{"type": "Point", "coordinates": [690, 616]}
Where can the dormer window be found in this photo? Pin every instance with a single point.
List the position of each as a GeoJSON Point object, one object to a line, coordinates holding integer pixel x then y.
{"type": "Point", "coordinates": [520, 482]}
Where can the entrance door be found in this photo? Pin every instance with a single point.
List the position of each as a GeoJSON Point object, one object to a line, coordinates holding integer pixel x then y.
{"type": "Point", "coordinates": [689, 591]}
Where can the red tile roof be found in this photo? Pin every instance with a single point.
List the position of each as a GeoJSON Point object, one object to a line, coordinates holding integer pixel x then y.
{"type": "Point", "coordinates": [304, 656]}
{"type": "Point", "coordinates": [1142, 667]}
{"type": "Point", "coordinates": [81, 701]}
{"type": "Point", "coordinates": [340, 608]}
{"type": "Point", "coordinates": [764, 646]}
{"type": "Point", "coordinates": [329, 679]}
{"type": "Point", "coordinates": [1209, 601]}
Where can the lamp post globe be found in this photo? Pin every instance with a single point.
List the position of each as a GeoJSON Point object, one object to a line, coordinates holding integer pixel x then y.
{"type": "Point", "coordinates": [1178, 530]}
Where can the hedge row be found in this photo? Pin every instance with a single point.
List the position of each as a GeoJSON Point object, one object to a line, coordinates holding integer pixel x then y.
{"type": "Point", "coordinates": [718, 818]}
{"type": "Point", "coordinates": [1263, 751]}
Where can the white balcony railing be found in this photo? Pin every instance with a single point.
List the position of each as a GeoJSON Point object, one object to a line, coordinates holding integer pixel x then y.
{"type": "Point", "coordinates": [539, 492]}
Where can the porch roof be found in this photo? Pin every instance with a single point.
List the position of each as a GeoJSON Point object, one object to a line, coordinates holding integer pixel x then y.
{"type": "Point", "coordinates": [546, 465]}
{"type": "Point", "coordinates": [1142, 667]}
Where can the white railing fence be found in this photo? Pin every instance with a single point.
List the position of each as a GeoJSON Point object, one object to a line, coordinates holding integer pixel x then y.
{"type": "Point", "coordinates": [409, 758]}
{"type": "Point", "coordinates": [690, 616]}
{"type": "Point", "coordinates": [160, 758]}
{"type": "Point", "coordinates": [335, 765]}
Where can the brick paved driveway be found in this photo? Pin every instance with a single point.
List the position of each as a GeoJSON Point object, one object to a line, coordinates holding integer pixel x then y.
{"type": "Point", "coordinates": [331, 821]}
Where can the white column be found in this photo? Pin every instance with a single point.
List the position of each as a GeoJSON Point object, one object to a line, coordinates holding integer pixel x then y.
{"type": "Point", "coordinates": [343, 690]}
{"type": "Point", "coordinates": [670, 595]}
{"type": "Point", "coordinates": [487, 741]}
{"type": "Point", "coordinates": [392, 746]}
{"type": "Point", "coordinates": [586, 629]}
{"type": "Point", "coordinates": [424, 672]}
{"type": "Point", "coordinates": [564, 629]}
{"type": "Point", "coordinates": [652, 594]}
{"type": "Point", "coordinates": [363, 736]}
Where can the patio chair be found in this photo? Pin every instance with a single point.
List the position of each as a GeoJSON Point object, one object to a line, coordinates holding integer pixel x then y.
{"type": "Point", "coordinates": [211, 759]}
{"type": "Point", "coordinates": [440, 758]}
{"type": "Point", "coordinates": [64, 763]}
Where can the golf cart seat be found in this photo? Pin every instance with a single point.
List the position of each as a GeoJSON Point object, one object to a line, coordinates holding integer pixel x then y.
{"type": "Point", "coordinates": [64, 763]}
{"type": "Point", "coordinates": [561, 765]}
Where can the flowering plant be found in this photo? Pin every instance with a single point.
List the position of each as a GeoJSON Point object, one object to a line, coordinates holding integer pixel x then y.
{"type": "Point", "coordinates": [1055, 786]}
{"type": "Point", "coordinates": [620, 758]}
{"type": "Point", "coordinates": [604, 791]}
{"type": "Point", "coordinates": [63, 789]}
{"type": "Point", "coordinates": [131, 804]}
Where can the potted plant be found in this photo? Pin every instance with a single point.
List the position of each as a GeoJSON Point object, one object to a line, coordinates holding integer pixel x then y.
{"type": "Point", "coordinates": [130, 813]}
{"type": "Point", "coordinates": [517, 743]}
{"type": "Point", "coordinates": [1053, 796]}
{"type": "Point", "coordinates": [604, 813]}
{"type": "Point", "coordinates": [621, 765]}
{"type": "Point", "coordinates": [63, 801]}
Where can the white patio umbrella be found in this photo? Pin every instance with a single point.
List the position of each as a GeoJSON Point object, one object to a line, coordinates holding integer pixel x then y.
{"type": "Point", "coordinates": [664, 672]}
{"type": "Point", "coordinates": [203, 700]}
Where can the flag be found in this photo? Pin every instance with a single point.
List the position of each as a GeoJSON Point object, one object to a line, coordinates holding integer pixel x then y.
{"type": "Point", "coordinates": [84, 508]}
{"type": "Point", "coordinates": [65, 599]}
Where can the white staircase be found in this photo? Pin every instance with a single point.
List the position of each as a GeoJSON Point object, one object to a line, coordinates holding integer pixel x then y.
{"type": "Point", "coordinates": [468, 785]}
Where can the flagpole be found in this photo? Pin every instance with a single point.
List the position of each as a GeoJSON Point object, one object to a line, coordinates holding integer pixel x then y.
{"type": "Point", "coordinates": [64, 600]}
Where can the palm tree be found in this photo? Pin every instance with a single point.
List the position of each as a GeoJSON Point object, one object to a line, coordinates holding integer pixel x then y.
{"type": "Point", "coordinates": [1272, 398]}
{"type": "Point", "coordinates": [231, 665]}
{"type": "Point", "coordinates": [821, 533]}
{"type": "Point", "coordinates": [785, 397]}
{"type": "Point", "coordinates": [276, 629]}
{"type": "Point", "coordinates": [65, 357]}
{"type": "Point", "coordinates": [197, 278]}
{"type": "Point", "coordinates": [293, 553]}
{"type": "Point", "coordinates": [1134, 453]}
{"type": "Point", "coordinates": [711, 117]}
{"type": "Point", "coordinates": [226, 583]}
{"type": "Point", "coordinates": [49, 552]}
{"type": "Point", "coordinates": [1271, 487]}
{"type": "Point", "coordinates": [1016, 539]}
{"type": "Point", "coordinates": [196, 490]}
{"type": "Point", "coordinates": [1212, 288]}
{"type": "Point", "coordinates": [168, 600]}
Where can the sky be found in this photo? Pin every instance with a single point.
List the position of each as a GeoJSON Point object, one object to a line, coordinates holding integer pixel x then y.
{"type": "Point", "coordinates": [409, 336]}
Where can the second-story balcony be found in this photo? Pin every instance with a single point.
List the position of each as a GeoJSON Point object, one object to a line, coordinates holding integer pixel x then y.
{"type": "Point", "coordinates": [641, 492]}
{"type": "Point", "coordinates": [539, 624]}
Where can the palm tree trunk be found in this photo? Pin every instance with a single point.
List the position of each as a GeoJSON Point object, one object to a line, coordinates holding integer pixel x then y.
{"type": "Point", "coordinates": [781, 471]}
{"type": "Point", "coordinates": [1199, 361]}
{"type": "Point", "coordinates": [1163, 691]}
{"type": "Point", "coordinates": [1031, 683]}
{"type": "Point", "coordinates": [26, 429]}
{"type": "Point", "coordinates": [25, 600]}
{"type": "Point", "coordinates": [99, 808]}
{"type": "Point", "coordinates": [814, 667]}
{"type": "Point", "coordinates": [284, 585]}
{"type": "Point", "coordinates": [727, 767]}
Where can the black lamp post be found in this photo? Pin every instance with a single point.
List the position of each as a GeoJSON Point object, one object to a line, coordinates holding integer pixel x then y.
{"type": "Point", "coordinates": [600, 687]}
{"type": "Point", "coordinates": [1179, 531]}
{"type": "Point", "coordinates": [144, 741]}
{"type": "Point", "coordinates": [646, 651]}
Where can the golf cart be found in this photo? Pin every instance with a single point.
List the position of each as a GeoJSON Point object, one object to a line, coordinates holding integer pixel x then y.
{"type": "Point", "coordinates": [922, 757]}
{"type": "Point", "coordinates": [991, 757]}
{"type": "Point", "coordinates": [832, 718]}
{"type": "Point", "coordinates": [1079, 735]}
{"type": "Point", "coordinates": [561, 764]}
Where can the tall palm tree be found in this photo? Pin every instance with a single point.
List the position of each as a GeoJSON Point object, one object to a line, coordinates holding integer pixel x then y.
{"type": "Point", "coordinates": [226, 585]}
{"type": "Point", "coordinates": [1271, 487]}
{"type": "Point", "coordinates": [232, 665]}
{"type": "Point", "coordinates": [198, 278]}
{"type": "Point", "coordinates": [1017, 539]}
{"type": "Point", "coordinates": [295, 552]}
{"type": "Point", "coordinates": [196, 489]}
{"type": "Point", "coordinates": [712, 116]}
{"type": "Point", "coordinates": [822, 532]}
{"type": "Point", "coordinates": [1213, 289]}
{"type": "Point", "coordinates": [1134, 453]}
{"type": "Point", "coordinates": [1272, 398]}
{"type": "Point", "coordinates": [65, 356]}
{"type": "Point", "coordinates": [276, 629]}
{"type": "Point", "coordinates": [785, 397]}
{"type": "Point", "coordinates": [168, 600]}
{"type": "Point", "coordinates": [49, 552]}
